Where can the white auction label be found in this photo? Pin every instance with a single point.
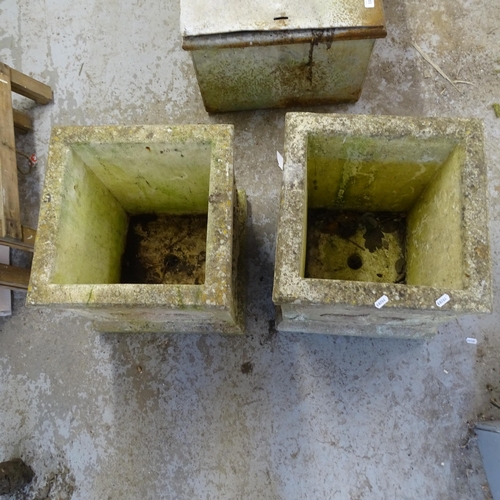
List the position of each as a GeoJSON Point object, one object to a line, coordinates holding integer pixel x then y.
{"type": "Point", "coordinates": [443, 300]}
{"type": "Point", "coordinates": [280, 160]}
{"type": "Point", "coordinates": [369, 4]}
{"type": "Point", "coordinates": [381, 302]}
{"type": "Point", "coordinates": [470, 340]}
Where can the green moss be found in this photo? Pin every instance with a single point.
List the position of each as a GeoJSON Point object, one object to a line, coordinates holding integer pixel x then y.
{"type": "Point", "coordinates": [153, 178]}
{"type": "Point", "coordinates": [434, 230]}
{"type": "Point", "coordinates": [371, 173]}
{"type": "Point", "coordinates": [254, 77]}
{"type": "Point", "coordinates": [91, 234]}
{"type": "Point", "coordinates": [378, 174]}
{"type": "Point", "coordinates": [180, 298]}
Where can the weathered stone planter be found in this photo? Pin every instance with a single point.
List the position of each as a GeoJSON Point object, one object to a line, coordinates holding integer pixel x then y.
{"type": "Point", "coordinates": [140, 229]}
{"type": "Point", "coordinates": [375, 206]}
{"type": "Point", "coordinates": [280, 54]}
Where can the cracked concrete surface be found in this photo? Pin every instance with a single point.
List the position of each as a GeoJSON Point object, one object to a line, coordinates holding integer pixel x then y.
{"type": "Point", "coordinates": [274, 416]}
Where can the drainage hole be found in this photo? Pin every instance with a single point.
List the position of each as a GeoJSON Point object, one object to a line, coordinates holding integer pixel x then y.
{"type": "Point", "coordinates": [354, 261]}
{"type": "Point", "coordinates": [282, 18]}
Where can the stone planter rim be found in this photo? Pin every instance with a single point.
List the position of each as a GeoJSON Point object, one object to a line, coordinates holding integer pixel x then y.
{"type": "Point", "coordinates": [291, 288]}
{"type": "Point", "coordinates": [215, 293]}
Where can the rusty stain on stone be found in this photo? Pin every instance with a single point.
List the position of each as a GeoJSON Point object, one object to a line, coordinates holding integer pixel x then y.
{"type": "Point", "coordinates": [245, 65]}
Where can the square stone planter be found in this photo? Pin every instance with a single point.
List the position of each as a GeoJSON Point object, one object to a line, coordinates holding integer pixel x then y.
{"type": "Point", "coordinates": [381, 207]}
{"type": "Point", "coordinates": [140, 229]}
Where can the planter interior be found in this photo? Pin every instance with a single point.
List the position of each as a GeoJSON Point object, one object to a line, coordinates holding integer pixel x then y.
{"type": "Point", "coordinates": [141, 227]}
{"type": "Point", "coordinates": [375, 206]}
{"type": "Point", "coordinates": [385, 210]}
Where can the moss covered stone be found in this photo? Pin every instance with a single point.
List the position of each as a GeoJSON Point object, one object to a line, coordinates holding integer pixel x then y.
{"type": "Point", "coordinates": [97, 179]}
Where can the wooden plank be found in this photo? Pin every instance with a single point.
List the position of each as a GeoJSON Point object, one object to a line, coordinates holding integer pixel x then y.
{"type": "Point", "coordinates": [27, 242]}
{"type": "Point", "coordinates": [9, 193]}
{"type": "Point", "coordinates": [22, 121]}
{"type": "Point", "coordinates": [16, 278]}
{"type": "Point", "coordinates": [5, 295]}
{"type": "Point", "coordinates": [31, 88]}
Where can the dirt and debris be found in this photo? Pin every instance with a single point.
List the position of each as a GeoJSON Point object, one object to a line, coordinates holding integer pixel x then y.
{"type": "Point", "coordinates": [247, 368]}
{"type": "Point", "coordinates": [59, 484]}
{"type": "Point", "coordinates": [437, 68]}
{"type": "Point", "coordinates": [14, 475]}
{"type": "Point", "coordinates": [335, 236]}
{"type": "Point", "coordinates": [165, 249]}
{"type": "Point", "coordinates": [401, 270]}
{"type": "Point", "coordinates": [346, 224]}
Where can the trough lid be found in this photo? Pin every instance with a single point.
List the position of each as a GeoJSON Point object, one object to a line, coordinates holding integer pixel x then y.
{"type": "Point", "coordinates": [209, 17]}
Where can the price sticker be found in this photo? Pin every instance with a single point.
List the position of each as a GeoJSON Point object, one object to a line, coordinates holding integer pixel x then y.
{"type": "Point", "coordinates": [443, 300]}
{"type": "Point", "coordinates": [381, 302]}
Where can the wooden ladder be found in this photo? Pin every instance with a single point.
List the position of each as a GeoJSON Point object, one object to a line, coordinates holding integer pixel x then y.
{"type": "Point", "coordinates": [12, 233]}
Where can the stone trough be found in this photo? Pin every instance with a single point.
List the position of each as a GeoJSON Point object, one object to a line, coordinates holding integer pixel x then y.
{"type": "Point", "coordinates": [140, 229]}
{"type": "Point", "coordinates": [280, 54]}
{"type": "Point", "coordinates": [383, 225]}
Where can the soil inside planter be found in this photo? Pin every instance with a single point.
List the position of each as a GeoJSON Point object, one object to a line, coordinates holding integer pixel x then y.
{"type": "Point", "coordinates": [165, 249]}
{"type": "Point", "coordinates": [355, 246]}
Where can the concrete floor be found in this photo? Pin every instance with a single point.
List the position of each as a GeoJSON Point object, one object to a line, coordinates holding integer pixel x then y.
{"type": "Point", "coordinates": [318, 417]}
